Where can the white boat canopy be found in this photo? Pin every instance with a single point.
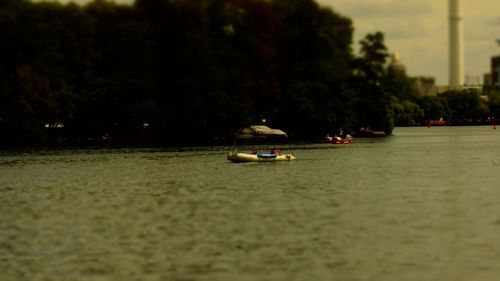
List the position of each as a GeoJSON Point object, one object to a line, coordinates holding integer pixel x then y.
{"type": "Point", "coordinates": [260, 130]}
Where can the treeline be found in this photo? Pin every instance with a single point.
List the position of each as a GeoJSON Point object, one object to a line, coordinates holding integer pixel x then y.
{"type": "Point", "coordinates": [178, 70]}
{"type": "Point", "coordinates": [453, 107]}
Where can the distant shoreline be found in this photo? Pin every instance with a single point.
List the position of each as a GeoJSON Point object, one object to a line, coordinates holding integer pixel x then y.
{"type": "Point", "coordinates": [171, 142]}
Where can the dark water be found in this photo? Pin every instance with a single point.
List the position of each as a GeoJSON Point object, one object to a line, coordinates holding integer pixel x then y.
{"type": "Point", "coordinates": [423, 204]}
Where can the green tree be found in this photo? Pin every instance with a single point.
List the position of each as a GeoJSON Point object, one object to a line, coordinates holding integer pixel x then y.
{"type": "Point", "coordinates": [313, 65]}
{"type": "Point", "coordinates": [407, 113]}
{"type": "Point", "coordinates": [372, 99]}
{"type": "Point", "coordinates": [434, 107]}
{"type": "Point", "coordinates": [494, 104]}
{"type": "Point", "coordinates": [187, 68]}
{"type": "Point", "coordinates": [464, 105]}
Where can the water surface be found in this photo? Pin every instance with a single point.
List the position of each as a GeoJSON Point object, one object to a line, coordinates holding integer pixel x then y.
{"type": "Point", "coordinates": [422, 204]}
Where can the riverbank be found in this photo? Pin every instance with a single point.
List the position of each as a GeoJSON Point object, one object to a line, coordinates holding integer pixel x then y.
{"type": "Point", "coordinates": [60, 139]}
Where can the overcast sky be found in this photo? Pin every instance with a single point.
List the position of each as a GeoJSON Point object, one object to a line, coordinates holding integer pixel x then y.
{"type": "Point", "coordinates": [418, 31]}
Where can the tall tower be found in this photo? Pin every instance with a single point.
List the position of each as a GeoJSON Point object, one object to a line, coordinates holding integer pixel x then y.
{"type": "Point", "coordinates": [456, 42]}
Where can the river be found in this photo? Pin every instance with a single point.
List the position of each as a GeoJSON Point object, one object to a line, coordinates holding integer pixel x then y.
{"type": "Point", "coordinates": [423, 204]}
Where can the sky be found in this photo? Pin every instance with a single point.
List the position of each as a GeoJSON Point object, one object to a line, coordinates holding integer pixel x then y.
{"type": "Point", "coordinates": [418, 31]}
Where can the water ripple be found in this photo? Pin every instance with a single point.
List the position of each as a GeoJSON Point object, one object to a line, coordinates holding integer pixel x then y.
{"type": "Point", "coordinates": [421, 205]}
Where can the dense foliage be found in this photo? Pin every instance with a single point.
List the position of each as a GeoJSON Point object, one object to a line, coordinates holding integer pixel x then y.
{"type": "Point", "coordinates": [192, 70]}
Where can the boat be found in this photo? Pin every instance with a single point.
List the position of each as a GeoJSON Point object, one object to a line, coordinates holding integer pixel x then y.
{"type": "Point", "coordinates": [259, 132]}
{"type": "Point", "coordinates": [339, 140]}
{"type": "Point", "coordinates": [363, 132]}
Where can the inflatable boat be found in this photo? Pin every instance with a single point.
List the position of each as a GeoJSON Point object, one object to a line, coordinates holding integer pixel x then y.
{"type": "Point", "coordinates": [259, 132]}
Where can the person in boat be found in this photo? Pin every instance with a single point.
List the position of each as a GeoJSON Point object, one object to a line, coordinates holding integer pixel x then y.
{"type": "Point", "coordinates": [337, 139]}
{"type": "Point", "coordinates": [328, 138]}
{"type": "Point", "coordinates": [349, 138]}
{"type": "Point", "coordinates": [276, 151]}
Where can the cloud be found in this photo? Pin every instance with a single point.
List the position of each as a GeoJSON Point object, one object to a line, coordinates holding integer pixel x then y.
{"type": "Point", "coordinates": [406, 32]}
{"type": "Point", "coordinates": [381, 9]}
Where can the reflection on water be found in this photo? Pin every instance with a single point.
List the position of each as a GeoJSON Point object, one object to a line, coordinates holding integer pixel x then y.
{"type": "Point", "coordinates": [420, 205]}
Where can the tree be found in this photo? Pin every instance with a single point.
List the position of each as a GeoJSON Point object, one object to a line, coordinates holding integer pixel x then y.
{"type": "Point", "coordinates": [313, 64]}
{"type": "Point", "coordinates": [372, 99]}
{"type": "Point", "coordinates": [406, 113]}
{"type": "Point", "coordinates": [464, 105]}
{"type": "Point", "coordinates": [494, 104]}
{"type": "Point", "coordinates": [186, 68]}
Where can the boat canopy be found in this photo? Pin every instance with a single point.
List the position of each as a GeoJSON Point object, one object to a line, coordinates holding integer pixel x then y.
{"type": "Point", "coordinates": [261, 131]}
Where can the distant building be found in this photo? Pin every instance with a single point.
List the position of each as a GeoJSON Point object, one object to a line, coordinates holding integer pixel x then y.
{"type": "Point", "coordinates": [495, 71]}
{"type": "Point", "coordinates": [492, 80]}
{"type": "Point", "coordinates": [472, 81]}
{"type": "Point", "coordinates": [443, 88]}
{"type": "Point", "coordinates": [487, 79]}
{"type": "Point", "coordinates": [395, 63]}
{"type": "Point", "coordinates": [426, 86]}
